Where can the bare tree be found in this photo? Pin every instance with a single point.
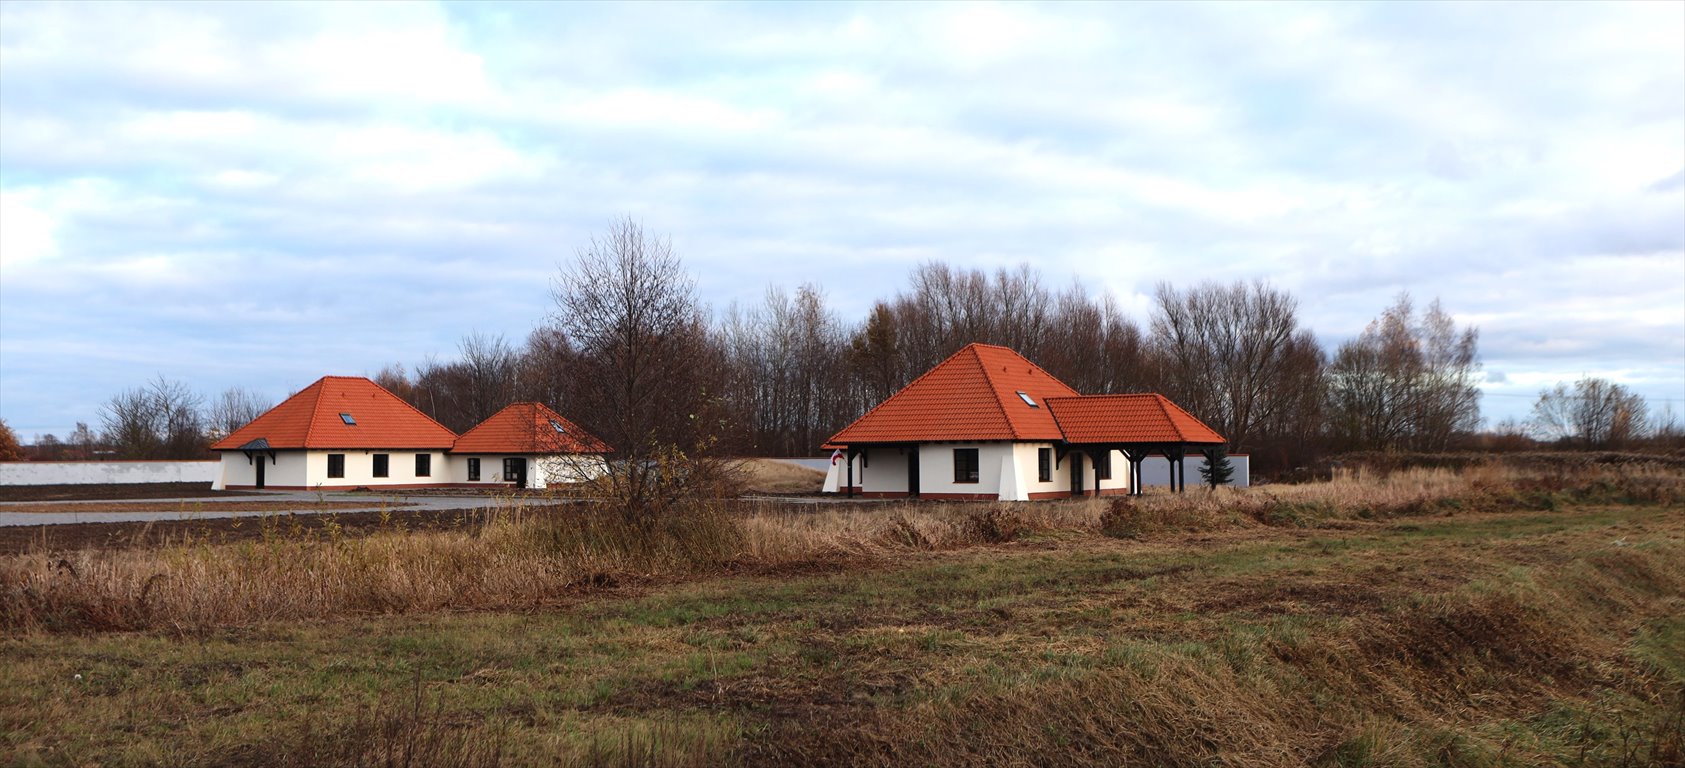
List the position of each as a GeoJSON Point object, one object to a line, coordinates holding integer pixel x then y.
{"type": "Point", "coordinates": [1404, 383]}
{"type": "Point", "coordinates": [1595, 413]}
{"type": "Point", "coordinates": [83, 441]}
{"type": "Point", "coordinates": [1090, 345]}
{"type": "Point", "coordinates": [1236, 357]}
{"type": "Point", "coordinates": [234, 408]}
{"type": "Point", "coordinates": [788, 367]}
{"type": "Point", "coordinates": [393, 378]}
{"type": "Point", "coordinates": [48, 447]}
{"type": "Point", "coordinates": [160, 420]}
{"type": "Point", "coordinates": [646, 382]}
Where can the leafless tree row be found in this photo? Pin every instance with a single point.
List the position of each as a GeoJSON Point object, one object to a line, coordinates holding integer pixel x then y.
{"type": "Point", "coordinates": [631, 354]}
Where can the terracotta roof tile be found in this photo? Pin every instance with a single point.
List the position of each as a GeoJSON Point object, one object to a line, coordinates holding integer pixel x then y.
{"type": "Point", "coordinates": [1142, 418]}
{"type": "Point", "coordinates": [972, 395]}
{"type": "Point", "coordinates": [311, 419]}
{"type": "Point", "coordinates": [528, 428]}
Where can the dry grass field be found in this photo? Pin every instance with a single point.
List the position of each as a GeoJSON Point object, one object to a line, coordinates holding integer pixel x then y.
{"type": "Point", "coordinates": [770, 476]}
{"type": "Point", "coordinates": [1482, 616]}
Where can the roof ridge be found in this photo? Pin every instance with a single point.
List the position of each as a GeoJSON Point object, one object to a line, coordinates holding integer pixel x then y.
{"type": "Point", "coordinates": [904, 388]}
{"type": "Point", "coordinates": [1057, 424]}
{"type": "Point", "coordinates": [1172, 404]}
{"type": "Point", "coordinates": [315, 406]}
{"type": "Point", "coordinates": [989, 378]}
{"type": "Point", "coordinates": [1174, 427]}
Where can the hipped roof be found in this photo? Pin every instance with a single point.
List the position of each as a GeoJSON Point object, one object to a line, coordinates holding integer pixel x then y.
{"type": "Point", "coordinates": [311, 419]}
{"type": "Point", "coordinates": [973, 396]}
{"type": "Point", "coordinates": [1141, 418]}
{"type": "Point", "coordinates": [528, 428]}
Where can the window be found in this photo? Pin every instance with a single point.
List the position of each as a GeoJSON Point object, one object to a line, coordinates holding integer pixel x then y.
{"type": "Point", "coordinates": [474, 470]}
{"type": "Point", "coordinates": [424, 465]}
{"type": "Point", "coordinates": [1027, 401]}
{"type": "Point", "coordinates": [346, 417]}
{"type": "Point", "coordinates": [965, 465]}
{"type": "Point", "coordinates": [556, 425]}
{"type": "Point", "coordinates": [511, 470]}
{"type": "Point", "coordinates": [381, 462]}
{"type": "Point", "coordinates": [1044, 465]}
{"type": "Point", "coordinates": [1103, 465]}
{"type": "Point", "coordinates": [336, 465]}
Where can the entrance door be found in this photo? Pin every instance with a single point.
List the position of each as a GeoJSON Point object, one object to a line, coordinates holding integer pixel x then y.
{"type": "Point", "coordinates": [1076, 473]}
{"type": "Point", "coordinates": [515, 471]}
{"type": "Point", "coordinates": [260, 460]}
{"type": "Point", "coordinates": [913, 472]}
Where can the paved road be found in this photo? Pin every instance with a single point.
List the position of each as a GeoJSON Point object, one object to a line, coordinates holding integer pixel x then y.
{"type": "Point", "coordinates": [201, 508]}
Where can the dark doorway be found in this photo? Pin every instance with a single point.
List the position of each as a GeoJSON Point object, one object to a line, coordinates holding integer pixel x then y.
{"type": "Point", "coordinates": [260, 461]}
{"type": "Point", "coordinates": [913, 472]}
{"type": "Point", "coordinates": [515, 471]}
{"type": "Point", "coordinates": [1076, 474]}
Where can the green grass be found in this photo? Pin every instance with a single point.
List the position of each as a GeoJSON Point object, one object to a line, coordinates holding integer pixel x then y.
{"type": "Point", "coordinates": [1514, 639]}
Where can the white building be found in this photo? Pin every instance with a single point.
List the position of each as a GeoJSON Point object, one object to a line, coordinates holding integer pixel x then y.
{"type": "Point", "coordinates": [989, 424]}
{"type": "Point", "coordinates": [526, 445]}
{"type": "Point", "coordinates": [346, 432]}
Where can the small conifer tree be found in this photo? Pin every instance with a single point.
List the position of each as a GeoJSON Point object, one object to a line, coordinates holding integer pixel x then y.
{"type": "Point", "coordinates": [1217, 470]}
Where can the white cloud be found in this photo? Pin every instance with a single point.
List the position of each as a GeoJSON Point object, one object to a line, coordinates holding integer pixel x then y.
{"type": "Point", "coordinates": [315, 166]}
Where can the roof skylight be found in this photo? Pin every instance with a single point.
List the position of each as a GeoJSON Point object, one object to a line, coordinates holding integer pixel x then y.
{"type": "Point", "coordinates": [346, 417]}
{"type": "Point", "coordinates": [1027, 401]}
{"type": "Point", "coordinates": [556, 425]}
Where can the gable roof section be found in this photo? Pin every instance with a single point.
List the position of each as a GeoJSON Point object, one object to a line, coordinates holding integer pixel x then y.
{"type": "Point", "coordinates": [528, 428]}
{"type": "Point", "coordinates": [971, 396]}
{"type": "Point", "coordinates": [1142, 418]}
{"type": "Point", "coordinates": [311, 419]}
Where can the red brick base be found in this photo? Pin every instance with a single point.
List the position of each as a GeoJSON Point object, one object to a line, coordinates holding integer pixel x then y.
{"type": "Point", "coordinates": [398, 487]}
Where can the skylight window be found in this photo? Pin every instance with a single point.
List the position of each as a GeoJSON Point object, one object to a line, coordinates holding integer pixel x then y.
{"type": "Point", "coordinates": [346, 417]}
{"type": "Point", "coordinates": [556, 425]}
{"type": "Point", "coordinates": [1027, 401]}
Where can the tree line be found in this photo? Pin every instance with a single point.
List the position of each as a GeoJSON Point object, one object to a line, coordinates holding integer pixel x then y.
{"type": "Point", "coordinates": [631, 353]}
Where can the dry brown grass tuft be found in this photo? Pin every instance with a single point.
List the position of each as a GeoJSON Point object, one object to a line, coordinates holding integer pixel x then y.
{"type": "Point", "coordinates": [519, 557]}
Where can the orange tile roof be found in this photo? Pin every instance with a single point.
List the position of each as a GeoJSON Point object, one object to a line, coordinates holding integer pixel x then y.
{"type": "Point", "coordinates": [972, 395]}
{"type": "Point", "coordinates": [1143, 418]}
{"type": "Point", "coordinates": [311, 419]}
{"type": "Point", "coordinates": [528, 428]}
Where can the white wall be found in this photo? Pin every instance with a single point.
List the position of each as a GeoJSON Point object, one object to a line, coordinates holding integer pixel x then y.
{"type": "Point", "coordinates": [100, 472]}
{"type": "Point", "coordinates": [884, 470]}
{"type": "Point", "coordinates": [1156, 470]}
{"type": "Point", "coordinates": [1029, 470]}
{"type": "Point", "coordinates": [881, 470]}
{"type": "Point", "coordinates": [936, 468]}
{"type": "Point", "coordinates": [359, 469]}
{"type": "Point", "coordinates": [287, 469]}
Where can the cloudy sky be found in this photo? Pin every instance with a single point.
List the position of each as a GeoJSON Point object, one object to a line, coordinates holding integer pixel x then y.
{"type": "Point", "coordinates": [257, 195]}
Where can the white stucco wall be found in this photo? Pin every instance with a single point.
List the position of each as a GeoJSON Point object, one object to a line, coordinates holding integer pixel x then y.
{"type": "Point", "coordinates": [287, 469]}
{"type": "Point", "coordinates": [936, 468]}
{"type": "Point", "coordinates": [1156, 470]}
{"type": "Point", "coordinates": [881, 470]}
{"type": "Point", "coordinates": [101, 472]}
{"type": "Point", "coordinates": [359, 469]}
{"type": "Point", "coordinates": [1118, 481]}
{"type": "Point", "coordinates": [884, 470]}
